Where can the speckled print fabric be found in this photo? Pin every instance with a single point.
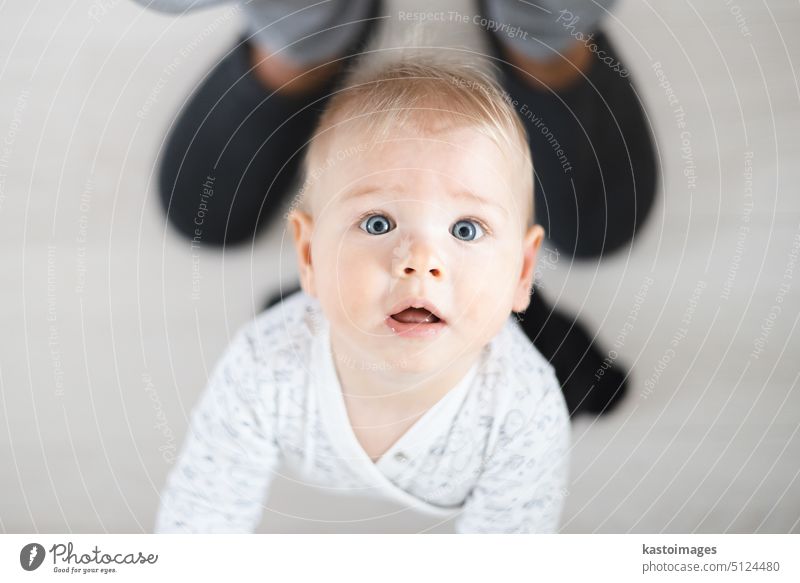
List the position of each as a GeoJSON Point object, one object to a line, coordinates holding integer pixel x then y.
{"type": "Point", "coordinates": [494, 451]}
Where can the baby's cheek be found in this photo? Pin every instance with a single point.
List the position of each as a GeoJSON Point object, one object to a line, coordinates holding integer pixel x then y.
{"type": "Point", "coordinates": [487, 273]}
{"type": "Point", "coordinates": [360, 276]}
{"type": "Point", "coordinates": [487, 300]}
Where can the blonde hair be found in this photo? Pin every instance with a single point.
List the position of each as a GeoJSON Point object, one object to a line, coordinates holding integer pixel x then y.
{"type": "Point", "coordinates": [426, 93]}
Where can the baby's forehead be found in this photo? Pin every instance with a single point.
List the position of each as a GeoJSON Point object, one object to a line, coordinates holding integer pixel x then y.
{"type": "Point", "coordinates": [460, 157]}
{"type": "Point", "coordinates": [460, 151]}
{"type": "Point", "coordinates": [412, 169]}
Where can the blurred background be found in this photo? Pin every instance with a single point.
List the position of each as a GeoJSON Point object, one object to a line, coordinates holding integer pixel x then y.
{"type": "Point", "coordinates": [110, 322]}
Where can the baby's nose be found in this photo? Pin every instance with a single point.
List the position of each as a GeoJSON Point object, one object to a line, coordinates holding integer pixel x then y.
{"type": "Point", "coordinates": [418, 259]}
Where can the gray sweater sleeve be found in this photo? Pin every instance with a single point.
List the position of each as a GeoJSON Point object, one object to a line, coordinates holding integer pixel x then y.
{"type": "Point", "coordinates": [306, 32]}
{"type": "Point", "coordinates": [180, 6]}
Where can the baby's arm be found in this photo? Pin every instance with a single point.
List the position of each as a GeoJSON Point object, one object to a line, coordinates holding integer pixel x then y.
{"type": "Point", "coordinates": [523, 483]}
{"type": "Point", "coordinates": [229, 455]}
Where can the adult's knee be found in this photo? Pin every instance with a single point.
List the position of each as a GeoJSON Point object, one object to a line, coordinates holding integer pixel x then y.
{"type": "Point", "coordinates": [587, 232]}
{"type": "Point", "coordinates": [202, 210]}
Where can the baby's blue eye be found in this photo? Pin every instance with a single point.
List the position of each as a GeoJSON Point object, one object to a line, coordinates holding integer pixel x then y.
{"type": "Point", "coordinates": [376, 225]}
{"type": "Point", "coordinates": [467, 230]}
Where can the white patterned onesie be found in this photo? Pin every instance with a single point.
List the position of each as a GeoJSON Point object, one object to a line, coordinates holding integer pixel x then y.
{"type": "Point", "coordinates": [493, 451]}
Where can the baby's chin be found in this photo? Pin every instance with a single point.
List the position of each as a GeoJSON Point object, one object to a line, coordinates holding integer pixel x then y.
{"type": "Point", "coordinates": [414, 366]}
{"type": "Point", "coordinates": [417, 358]}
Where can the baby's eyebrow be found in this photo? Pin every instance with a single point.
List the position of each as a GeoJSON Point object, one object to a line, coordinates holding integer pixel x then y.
{"type": "Point", "coordinates": [368, 190]}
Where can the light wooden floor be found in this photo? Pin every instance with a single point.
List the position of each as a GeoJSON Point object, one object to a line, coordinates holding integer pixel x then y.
{"type": "Point", "coordinates": [103, 349]}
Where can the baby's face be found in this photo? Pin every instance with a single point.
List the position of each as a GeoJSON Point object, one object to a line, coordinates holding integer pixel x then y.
{"type": "Point", "coordinates": [429, 221]}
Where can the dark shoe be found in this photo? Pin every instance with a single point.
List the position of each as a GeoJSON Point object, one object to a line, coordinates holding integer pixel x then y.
{"type": "Point", "coordinates": [593, 154]}
{"type": "Point", "coordinates": [590, 380]}
{"type": "Point", "coordinates": [235, 150]}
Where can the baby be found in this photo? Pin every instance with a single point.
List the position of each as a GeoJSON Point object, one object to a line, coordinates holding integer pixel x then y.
{"type": "Point", "coordinates": [399, 369]}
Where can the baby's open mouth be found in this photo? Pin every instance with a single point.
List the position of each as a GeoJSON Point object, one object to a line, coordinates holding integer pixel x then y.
{"type": "Point", "coordinates": [416, 316]}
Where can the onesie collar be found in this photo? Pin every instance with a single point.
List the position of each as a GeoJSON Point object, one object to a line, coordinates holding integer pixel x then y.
{"type": "Point", "coordinates": [415, 441]}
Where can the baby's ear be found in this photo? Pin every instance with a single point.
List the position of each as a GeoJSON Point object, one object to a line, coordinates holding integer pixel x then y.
{"type": "Point", "coordinates": [303, 227]}
{"type": "Point", "coordinates": [530, 250]}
